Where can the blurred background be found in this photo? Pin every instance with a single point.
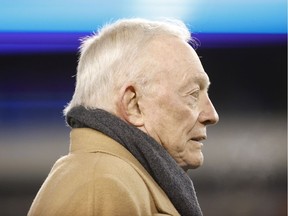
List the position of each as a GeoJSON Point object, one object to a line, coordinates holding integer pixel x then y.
{"type": "Point", "coordinates": [243, 49]}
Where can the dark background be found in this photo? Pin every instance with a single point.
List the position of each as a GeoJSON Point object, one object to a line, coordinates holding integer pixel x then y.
{"type": "Point", "coordinates": [245, 169]}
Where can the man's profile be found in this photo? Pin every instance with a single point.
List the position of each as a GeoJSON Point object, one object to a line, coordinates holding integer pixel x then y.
{"type": "Point", "coordinates": [138, 116]}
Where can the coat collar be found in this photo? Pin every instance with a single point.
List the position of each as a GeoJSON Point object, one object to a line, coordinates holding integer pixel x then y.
{"type": "Point", "coordinates": [89, 141]}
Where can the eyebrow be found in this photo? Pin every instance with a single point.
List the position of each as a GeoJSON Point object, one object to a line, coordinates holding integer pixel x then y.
{"type": "Point", "coordinates": [203, 80]}
{"type": "Point", "coordinates": [200, 79]}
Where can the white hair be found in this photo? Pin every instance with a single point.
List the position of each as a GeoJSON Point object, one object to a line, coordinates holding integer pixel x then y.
{"type": "Point", "coordinates": [112, 57]}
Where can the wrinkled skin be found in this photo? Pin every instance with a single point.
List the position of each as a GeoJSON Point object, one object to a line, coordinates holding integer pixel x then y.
{"type": "Point", "coordinates": [177, 112]}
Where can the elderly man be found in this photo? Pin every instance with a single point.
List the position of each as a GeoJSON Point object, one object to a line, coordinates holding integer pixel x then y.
{"type": "Point", "coordinates": [138, 116]}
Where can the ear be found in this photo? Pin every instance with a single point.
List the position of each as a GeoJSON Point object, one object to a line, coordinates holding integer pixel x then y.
{"type": "Point", "coordinates": [128, 106]}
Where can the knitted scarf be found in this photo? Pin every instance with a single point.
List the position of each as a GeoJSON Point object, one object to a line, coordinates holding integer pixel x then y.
{"type": "Point", "coordinates": [154, 158]}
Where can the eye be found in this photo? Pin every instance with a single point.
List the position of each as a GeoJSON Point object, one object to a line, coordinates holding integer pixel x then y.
{"type": "Point", "coordinates": [195, 94]}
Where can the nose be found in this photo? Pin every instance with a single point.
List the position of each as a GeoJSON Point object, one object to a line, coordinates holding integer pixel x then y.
{"type": "Point", "coordinates": [208, 115]}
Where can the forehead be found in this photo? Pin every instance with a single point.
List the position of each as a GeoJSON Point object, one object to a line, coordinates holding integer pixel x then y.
{"type": "Point", "coordinates": [186, 67]}
{"type": "Point", "coordinates": [176, 61]}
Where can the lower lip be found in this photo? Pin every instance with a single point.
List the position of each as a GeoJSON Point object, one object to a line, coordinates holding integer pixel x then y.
{"type": "Point", "coordinates": [198, 143]}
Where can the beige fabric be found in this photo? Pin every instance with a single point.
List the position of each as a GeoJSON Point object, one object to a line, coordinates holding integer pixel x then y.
{"type": "Point", "coordinates": [99, 177]}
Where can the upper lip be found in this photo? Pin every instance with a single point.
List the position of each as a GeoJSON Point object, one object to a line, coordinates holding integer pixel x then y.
{"type": "Point", "coordinates": [199, 138]}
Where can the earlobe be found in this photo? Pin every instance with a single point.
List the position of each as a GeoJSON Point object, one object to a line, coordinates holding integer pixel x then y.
{"type": "Point", "coordinates": [129, 106]}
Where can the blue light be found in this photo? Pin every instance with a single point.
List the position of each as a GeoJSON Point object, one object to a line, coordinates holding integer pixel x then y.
{"type": "Point", "coordinates": [236, 16]}
{"type": "Point", "coordinates": [206, 16]}
{"type": "Point", "coordinates": [56, 25]}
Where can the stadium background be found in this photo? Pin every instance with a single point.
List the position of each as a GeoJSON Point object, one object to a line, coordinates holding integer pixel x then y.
{"type": "Point", "coordinates": [243, 49]}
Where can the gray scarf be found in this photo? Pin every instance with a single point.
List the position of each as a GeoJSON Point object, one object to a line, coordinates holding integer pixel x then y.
{"type": "Point", "coordinates": [153, 157]}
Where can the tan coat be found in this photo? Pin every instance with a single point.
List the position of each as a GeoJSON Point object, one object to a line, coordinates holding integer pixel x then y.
{"type": "Point", "coordinates": [99, 177]}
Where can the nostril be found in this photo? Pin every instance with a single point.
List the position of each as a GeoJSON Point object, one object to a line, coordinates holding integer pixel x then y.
{"type": "Point", "coordinates": [209, 122]}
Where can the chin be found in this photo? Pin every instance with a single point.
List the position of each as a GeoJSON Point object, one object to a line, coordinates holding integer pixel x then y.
{"type": "Point", "coordinates": [193, 165]}
{"type": "Point", "coordinates": [197, 162]}
{"type": "Point", "coordinates": [191, 161]}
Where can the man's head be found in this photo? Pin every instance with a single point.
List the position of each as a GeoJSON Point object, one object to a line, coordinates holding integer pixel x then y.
{"type": "Point", "coordinates": [146, 73]}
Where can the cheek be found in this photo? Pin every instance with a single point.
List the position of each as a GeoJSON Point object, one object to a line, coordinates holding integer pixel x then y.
{"type": "Point", "coordinates": [175, 110]}
{"type": "Point", "coordinates": [178, 116]}
{"type": "Point", "coordinates": [170, 120]}
{"type": "Point", "coordinates": [177, 138]}
{"type": "Point", "coordinates": [177, 130]}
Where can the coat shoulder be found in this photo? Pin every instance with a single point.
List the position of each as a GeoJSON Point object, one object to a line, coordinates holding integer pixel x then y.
{"type": "Point", "coordinates": [94, 184]}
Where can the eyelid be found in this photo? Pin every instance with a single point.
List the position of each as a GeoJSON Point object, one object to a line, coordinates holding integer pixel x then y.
{"type": "Point", "coordinates": [195, 92]}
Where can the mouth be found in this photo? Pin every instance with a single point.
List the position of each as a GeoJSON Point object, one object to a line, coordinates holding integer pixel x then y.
{"type": "Point", "coordinates": [199, 138]}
